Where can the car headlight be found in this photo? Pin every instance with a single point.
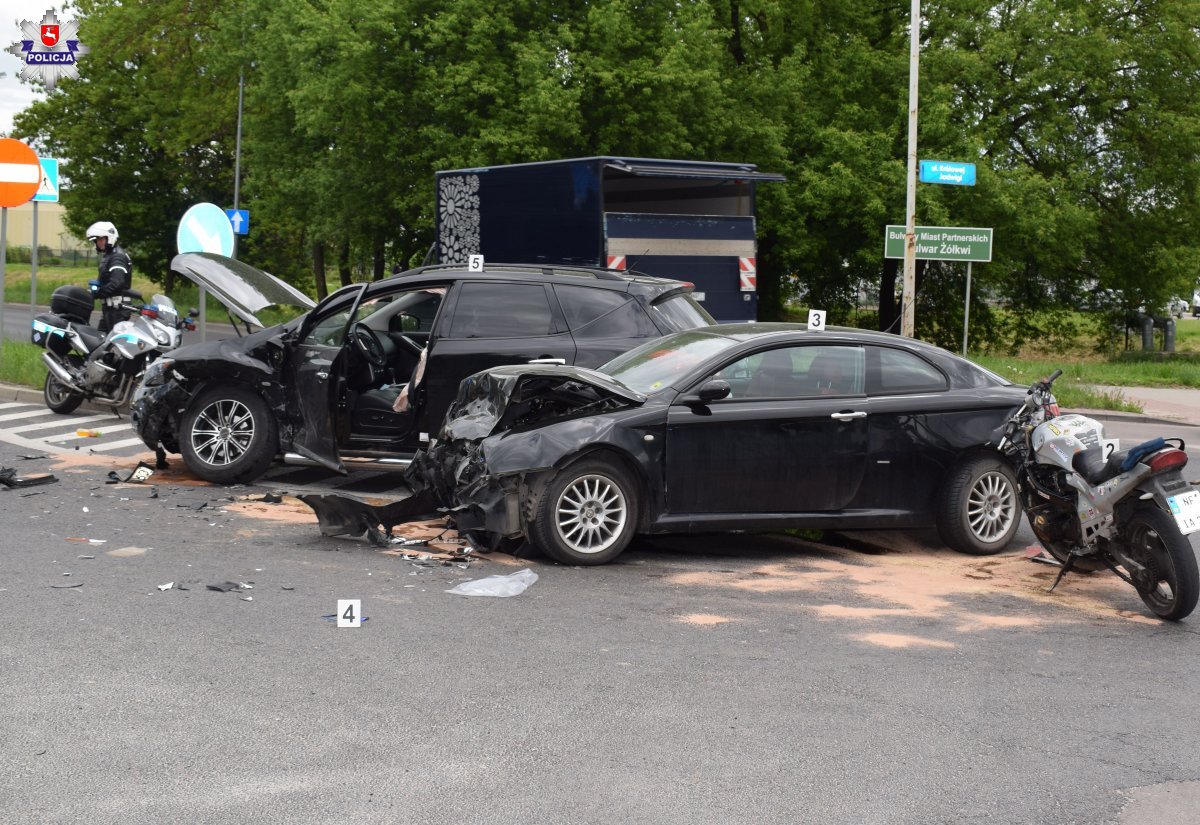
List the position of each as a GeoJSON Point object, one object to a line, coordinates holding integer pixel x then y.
{"type": "Point", "coordinates": [158, 372]}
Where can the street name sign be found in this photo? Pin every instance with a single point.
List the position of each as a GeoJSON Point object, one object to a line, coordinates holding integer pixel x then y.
{"type": "Point", "coordinates": [949, 172]}
{"type": "Point", "coordinates": [942, 243]}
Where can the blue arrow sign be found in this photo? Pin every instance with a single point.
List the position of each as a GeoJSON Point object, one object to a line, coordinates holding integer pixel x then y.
{"type": "Point", "coordinates": [239, 219]}
{"type": "Point", "coordinates": [945, 171]}
{"type": "Point", "coordinates": [48, 190]}
{"type": "Point", "coordinates": [205, 228]}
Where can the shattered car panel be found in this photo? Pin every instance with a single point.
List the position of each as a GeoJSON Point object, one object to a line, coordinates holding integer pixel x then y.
{"type": "Point", "coordinates": [519, 396]}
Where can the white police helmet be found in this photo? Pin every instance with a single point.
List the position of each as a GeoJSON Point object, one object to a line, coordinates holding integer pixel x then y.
{"type": "Point", "coordinates": [102, 229]}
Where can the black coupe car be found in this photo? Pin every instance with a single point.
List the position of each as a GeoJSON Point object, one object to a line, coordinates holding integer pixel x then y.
{"type": "Point", "coordinates": [369, 372]}
{"type": "Point", "coordinates": [747, 426]}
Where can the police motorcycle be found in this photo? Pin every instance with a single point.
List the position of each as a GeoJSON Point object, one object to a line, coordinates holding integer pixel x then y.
{"type": "Point", "coordinates": [1130, 511]}
{"type": "Point", "coordinates": [86, 364]}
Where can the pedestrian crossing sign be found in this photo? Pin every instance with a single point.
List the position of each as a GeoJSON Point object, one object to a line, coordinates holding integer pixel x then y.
{"type": "Point", "coordinates": [48, 189]}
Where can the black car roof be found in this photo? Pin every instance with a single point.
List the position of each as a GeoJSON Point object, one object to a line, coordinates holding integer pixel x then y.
{"type": "Point", "coordinates": [556, 273]}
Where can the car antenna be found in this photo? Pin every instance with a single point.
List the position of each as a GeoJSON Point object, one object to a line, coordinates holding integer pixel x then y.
{"type": "Point", "coordinates": [632, 265]}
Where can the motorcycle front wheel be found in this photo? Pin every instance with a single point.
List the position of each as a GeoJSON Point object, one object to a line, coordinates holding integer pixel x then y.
{"type": "Point", "coordinates": [1169, 583]}
{"type": "Point", "coordinates": [58, 398]}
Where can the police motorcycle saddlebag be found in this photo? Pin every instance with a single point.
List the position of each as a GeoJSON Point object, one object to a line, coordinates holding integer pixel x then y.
{"type": "Point", "coordinates": [50, 331]}
{"type": "Point", "coordinates": [73, 303]}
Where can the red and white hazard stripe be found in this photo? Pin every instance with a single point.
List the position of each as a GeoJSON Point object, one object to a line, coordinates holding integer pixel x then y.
{"type": "Point", "coordinates": [747, 274]}
{"type": "Point", "coordinates": [616, 262]}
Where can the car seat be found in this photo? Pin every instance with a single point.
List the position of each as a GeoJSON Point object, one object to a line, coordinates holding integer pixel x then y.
{"type": "Point", "coordinates": [774, 376]}
{"type": "Point", "coordinates": [825, 375]}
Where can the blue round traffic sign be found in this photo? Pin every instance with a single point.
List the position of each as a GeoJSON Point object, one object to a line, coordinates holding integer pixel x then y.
{"type": "Point", "coordinates": [205, 228]}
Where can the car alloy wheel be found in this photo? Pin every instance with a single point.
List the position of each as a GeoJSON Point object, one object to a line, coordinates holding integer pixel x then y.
{"type": "Point", "coordinates": [591, 514]}
{"type": "Point", "coordinates": [223, 432]}
{"type": "Point", "coordinates": [991, 506]}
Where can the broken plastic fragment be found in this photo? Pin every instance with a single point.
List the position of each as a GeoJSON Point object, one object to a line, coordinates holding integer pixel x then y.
{"type": "Point", "coordinates": [87, 541]}
{"type": "Point", "coordinates": [66, 586]}
{"type": "Point", "coordinates": [513, 584]}
{"type": "Point", "coordinates": [9, 478]}
{"type": "Point", "coordinates": [137, 475]}
{"type": "Point", "coordinates": [88, 433]}
{"type": "Point", "coordinates": [166, 586]}
{"type": "Point", "coordinates": [229, 587]}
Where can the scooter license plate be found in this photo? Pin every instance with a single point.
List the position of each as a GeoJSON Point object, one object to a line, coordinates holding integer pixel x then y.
{"type": "Point", "coordinates": [1186, 509]}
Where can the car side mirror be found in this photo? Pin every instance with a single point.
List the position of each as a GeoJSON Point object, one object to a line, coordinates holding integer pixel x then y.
{"type": "Point", "coordinates": [713, 390]}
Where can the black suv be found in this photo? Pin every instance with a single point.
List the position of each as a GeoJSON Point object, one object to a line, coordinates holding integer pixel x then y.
{"type": "Point", "coordinates": [369, 372]}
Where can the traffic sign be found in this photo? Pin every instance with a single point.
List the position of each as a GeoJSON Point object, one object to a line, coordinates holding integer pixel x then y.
{"type": "Point", "coordinates": [945, 171]}
{"type": "Point", "coordinates": [20, 172]}
{"type": "Point", "coordinates": [205, 228]}
{"type": "Point", "coordinates": [239, 219]}
{"type": "Point", "coordinates": [942, 243]}
{"type": "Point", "coordinates": [48, 188]}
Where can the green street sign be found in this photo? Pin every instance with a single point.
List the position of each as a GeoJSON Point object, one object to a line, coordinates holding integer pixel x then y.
{"type": "Point", "coordinates": [942, 243]}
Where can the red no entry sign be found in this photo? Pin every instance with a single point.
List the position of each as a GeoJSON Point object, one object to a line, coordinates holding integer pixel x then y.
{"type": "Point", "coordinates": [20, 172]}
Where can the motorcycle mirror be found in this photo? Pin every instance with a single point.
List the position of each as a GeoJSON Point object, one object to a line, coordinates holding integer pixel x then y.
{"type": "Point", "coordinates": [193, 313]}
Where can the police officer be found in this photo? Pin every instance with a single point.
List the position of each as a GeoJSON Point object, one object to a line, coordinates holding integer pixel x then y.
{"type": "Point", "coordinates": [116, 273]}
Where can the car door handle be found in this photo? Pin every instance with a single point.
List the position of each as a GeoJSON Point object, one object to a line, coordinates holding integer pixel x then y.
{"type": "Point", "coordinates": [548, 360]}
{"type": "Point", "coordinates": [848, 416]}
{"type": "Point", "coordinates": [322, 375]}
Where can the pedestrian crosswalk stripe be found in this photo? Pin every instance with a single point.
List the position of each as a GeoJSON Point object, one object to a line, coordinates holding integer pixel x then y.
{"type": "Point", "coordinates": [20, 415]}
{"type": "Point", "coordinates": [59, 421]}
{"type": "Point", "coordinates": [73, 435]}
{"type": "Point", "coordinates": [117, 445]}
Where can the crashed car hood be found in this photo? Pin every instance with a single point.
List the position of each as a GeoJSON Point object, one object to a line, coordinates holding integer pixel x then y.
{"type": "Point", "coordinates": [523, 395]}
{"type": "Point", "coordinates": [241, 288]}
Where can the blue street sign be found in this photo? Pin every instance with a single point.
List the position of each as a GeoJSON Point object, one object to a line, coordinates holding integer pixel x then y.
{"type": "Point", "coordinates": [205, 228]}
{"type": "Point", "coordinates": [944, 171]}
{"type": "Point", "coordinates": [48, 190]}
{"type": "Point", "coordinates": [239, 219]}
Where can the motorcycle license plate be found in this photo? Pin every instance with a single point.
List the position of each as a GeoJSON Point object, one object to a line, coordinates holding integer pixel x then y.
{"type": "Point", "coordinates": [1186, 509]}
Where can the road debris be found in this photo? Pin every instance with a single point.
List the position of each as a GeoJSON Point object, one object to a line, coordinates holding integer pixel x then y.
{"type": "Point", "coordinates": [9, 478]}
{"type": "Point", "coordinates": [230, 587]}
{"type": "Point", "coordinates": [167, 586]}
{"type": "Point", "coordinates": [127, 552]}
{"type": "Point", "coordinates": [88, 433]}
{"type": "Point", "coordinates": [350, 516]}
{"type": "Point", "coordinates": [67, 586]}
{"type": "Point", "coordinates": [137, 475]}
{"type": "Point", "coordinates": [87, 541]}
{"type": "Point", "coordinates": [514, 584]}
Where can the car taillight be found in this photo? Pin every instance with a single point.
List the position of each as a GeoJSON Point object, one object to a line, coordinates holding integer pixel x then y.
{"type": "Point", "coordinates": [1170, 459]}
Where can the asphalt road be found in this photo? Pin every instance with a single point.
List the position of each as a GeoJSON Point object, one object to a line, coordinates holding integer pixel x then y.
{"type": "Point", "coordinates": [700, 679]}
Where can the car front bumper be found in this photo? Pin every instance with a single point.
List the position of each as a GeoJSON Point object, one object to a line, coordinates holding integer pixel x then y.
{"type": "Point", "coordinates": [155, 414]}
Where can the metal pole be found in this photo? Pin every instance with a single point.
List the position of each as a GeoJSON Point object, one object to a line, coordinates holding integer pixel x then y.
{"type": "Point", "coordinates": [3, 263]}
{"type": "Point", "coordinates": [909, 297]}
{"type": "Point", "coordinates": [967, 309]}
{"type": "Point", "coordinates": [33, 269]}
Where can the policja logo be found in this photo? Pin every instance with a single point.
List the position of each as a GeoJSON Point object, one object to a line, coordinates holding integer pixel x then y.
{"type": "Point", "coordinates": [50, 52]}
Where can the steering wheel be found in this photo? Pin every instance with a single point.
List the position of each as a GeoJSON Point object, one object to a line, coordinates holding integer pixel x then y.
{"type": "Point", "coordinates": [369, 345]}
{"type": "Point", "coordinates": [409, 344]}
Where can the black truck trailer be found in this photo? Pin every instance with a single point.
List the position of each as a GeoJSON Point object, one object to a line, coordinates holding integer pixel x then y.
{"type": "Point", "coordinates": [689, 220]}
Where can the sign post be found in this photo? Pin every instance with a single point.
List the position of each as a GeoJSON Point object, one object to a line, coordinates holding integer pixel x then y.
{"type": "Point", "coordinates": [944, 243]}
{"type": "Point", "coordinates": [20, 176]}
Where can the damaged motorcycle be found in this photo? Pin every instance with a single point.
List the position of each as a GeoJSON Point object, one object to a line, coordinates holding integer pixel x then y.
{"type": "Point", "coordinates": [1129, 512]}
{"type": "Point", "coordinates": [85, 364]}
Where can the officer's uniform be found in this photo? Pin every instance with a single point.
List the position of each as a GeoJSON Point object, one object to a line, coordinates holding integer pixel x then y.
{"type": "Point", "coordinates": [116, 276]}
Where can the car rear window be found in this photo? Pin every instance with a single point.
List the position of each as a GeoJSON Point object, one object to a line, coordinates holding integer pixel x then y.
{"type": "Point", "coordinates": [601, 313]}
{"type": "Point", "coordinates": [502, 311]}
{"type": "Point", "coordinates": [681, 311]}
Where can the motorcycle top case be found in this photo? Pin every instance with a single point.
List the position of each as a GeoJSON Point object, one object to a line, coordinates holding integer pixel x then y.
{"type": "Point", "coordinates": [50, 331]}
{"type": "Point", "coordinates": [73, 303]}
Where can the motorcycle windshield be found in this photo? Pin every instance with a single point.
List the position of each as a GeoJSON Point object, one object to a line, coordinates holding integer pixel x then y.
{"type": "Point", "coordinates": [241, 288]}
{"type": "Point", "coordinates": [165, 308]}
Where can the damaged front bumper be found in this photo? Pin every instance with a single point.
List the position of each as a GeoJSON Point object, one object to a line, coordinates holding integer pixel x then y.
{"type": "Point", "coordinates": [155, 414]}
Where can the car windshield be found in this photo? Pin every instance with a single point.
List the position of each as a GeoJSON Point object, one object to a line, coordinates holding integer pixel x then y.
{"type": "Point", "coordinates": [658, 363]}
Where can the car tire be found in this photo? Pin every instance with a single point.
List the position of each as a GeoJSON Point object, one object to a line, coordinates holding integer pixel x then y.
{"type": "Point", "coordinates": [979, 510]}
{"type": "Point", "coordinates": [228, 435]}
{"type": "Point", "coordinates": [587, 514]}
{"type": "Point", "coordinates": [58, 398]}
